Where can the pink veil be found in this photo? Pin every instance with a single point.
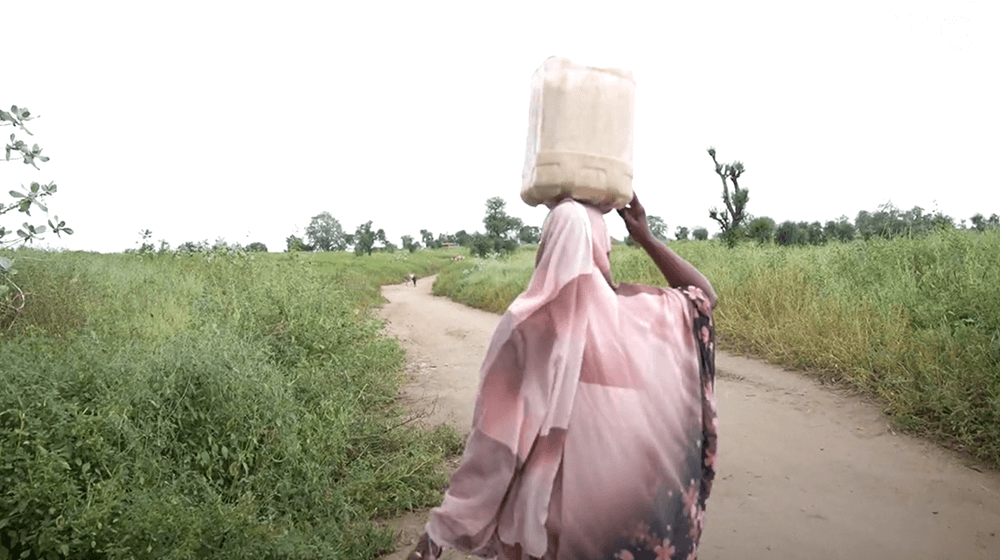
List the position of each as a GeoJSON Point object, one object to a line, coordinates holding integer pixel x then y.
{"type": "Point", "coordinates": [572, 330]}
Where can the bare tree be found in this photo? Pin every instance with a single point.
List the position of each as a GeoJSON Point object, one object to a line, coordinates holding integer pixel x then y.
{"type": "Point", "coordinates": [731, 218]}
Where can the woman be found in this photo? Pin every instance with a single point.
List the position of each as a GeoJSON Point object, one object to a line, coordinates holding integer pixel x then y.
{"type": "Point", "coordinates": [594, 434]}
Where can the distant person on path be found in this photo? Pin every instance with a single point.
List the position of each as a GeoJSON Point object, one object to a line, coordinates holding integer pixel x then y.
{"type": "Point", "coordinates": [595, 429]}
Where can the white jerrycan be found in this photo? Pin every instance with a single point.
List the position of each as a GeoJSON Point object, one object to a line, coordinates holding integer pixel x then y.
{"type": "Point", "coordinates": [580, 135]}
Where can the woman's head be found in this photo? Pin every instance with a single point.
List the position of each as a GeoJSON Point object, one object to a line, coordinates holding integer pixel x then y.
{"type": "Point", "coordinates": [573, 234]}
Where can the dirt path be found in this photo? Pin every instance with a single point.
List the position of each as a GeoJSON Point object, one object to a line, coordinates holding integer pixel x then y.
{"type": "Point", "coordinates": [804, 472]}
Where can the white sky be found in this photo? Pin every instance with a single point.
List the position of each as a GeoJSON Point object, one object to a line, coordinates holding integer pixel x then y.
{"type": "Point", "coordinates": [241, 120]}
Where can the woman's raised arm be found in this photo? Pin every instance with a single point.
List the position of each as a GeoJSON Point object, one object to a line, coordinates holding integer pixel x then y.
{"type": "Point", "coordinates": [676, 270]}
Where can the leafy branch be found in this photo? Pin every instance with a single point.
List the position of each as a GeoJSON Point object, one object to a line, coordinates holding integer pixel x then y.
{"type": "Point", "coordinates": [29, 197]}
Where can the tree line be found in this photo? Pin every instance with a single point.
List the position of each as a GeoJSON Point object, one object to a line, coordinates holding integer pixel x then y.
{"type": "Point", "coordinates": [503, 234]}
{"type": "Point", "coordinates": [888, 221]}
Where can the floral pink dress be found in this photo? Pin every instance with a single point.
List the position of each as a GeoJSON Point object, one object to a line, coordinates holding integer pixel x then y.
{"type": "Point", "coordinates": [595, 427]}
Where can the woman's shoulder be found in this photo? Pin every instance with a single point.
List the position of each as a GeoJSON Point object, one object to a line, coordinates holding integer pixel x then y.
{"type": "Point", "coordinates": [684, 294]}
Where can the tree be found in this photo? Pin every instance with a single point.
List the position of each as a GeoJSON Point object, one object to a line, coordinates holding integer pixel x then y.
{"type": "Point", "coordinates": [364, 239]}
{"type": "Point", "coordinates": [981, 223]}
{"type": "Point", "coordinates": [700, 233]}
{"type": "Point", "coordinates": [28, 198]}
{"type": "Point", "coordinates": [761, 229]}
{"type": "Point", "coordinates": [814, 233]}
{"type": "Point", "coordinates": [257, 246]}
{"type": "Point", "coordinates": [789, 233]}
{"type": "Point", "coordinates": [295, 243]}
{"type": "Point", "coordinates": [409, 244]}
{"type": "Point", "coordinates": [444, 238]}
{"type": "Point", "coordinates": [731, 217]}
{"type": "Point", "coordinates": [681, 233]}
{"type": "Point", "coordinates": [484, 245]}
{"type": "Point", "coordinates": [501, 229]}
{"type": "Point", "coordinates": [841, 230]}
{"type": "Point", "coordinates": [428, 239]}
{"type": "Point", "coordinates": [497, 223]}
{"type": "Point", "coordinates": [657, 227]}
{"type": "Point", "coordinates": [146, 246]}
{"type": "Point", "coordinates": [462, 238]}
{"type": "Point", "coordinates": [529, 235]}
{"type": "Point", "coordinates": [325, 234]}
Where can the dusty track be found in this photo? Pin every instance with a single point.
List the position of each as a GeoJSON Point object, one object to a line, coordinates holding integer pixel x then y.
{"type": "Point", "coordinates": [805, 472]}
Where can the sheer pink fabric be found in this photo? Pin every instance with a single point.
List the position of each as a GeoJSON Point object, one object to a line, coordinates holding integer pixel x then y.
{"type": "Point", "coordinates": [595, 423]}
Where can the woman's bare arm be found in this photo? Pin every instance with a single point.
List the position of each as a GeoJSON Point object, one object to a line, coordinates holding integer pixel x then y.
{"type": "Point", "coordinates": [676, 270]}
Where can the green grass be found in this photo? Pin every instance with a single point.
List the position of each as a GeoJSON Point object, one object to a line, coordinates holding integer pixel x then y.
{"type": "Point", "coordinates": [208, 406]}
{"type": "Point", "coordinates": [912, 321]}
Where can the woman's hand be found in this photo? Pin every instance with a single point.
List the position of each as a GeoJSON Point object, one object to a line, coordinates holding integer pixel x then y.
{"type": "Point", "coordinates": [425, 550]}
{"type": "Point", "coordinates": [676, 270]}
{"type": "Point", "coordinates": [635, 220]}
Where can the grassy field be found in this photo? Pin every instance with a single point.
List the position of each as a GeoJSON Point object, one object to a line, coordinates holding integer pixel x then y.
{"type": "Point", "coordinates": [207, 406]}
{"type": "Point", "coordinates": [915, 322]}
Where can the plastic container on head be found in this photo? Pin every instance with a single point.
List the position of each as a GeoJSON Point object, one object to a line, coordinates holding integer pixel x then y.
{"type": "Point", "coordinates": [580, 135]}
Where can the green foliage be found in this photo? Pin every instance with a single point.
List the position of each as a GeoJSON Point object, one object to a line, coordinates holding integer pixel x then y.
{"type": "Point", "coordinates": [761, 229]}
{"type": "Point", "coordinates": [657, 227]}
{"type": "Point", "coordinates": [12, 298]}
{"type": "Point", "coordinates": [32, 196]}
{"type": "Point", "coordinates": [788, 233]}
{"type": "Point", "coordinates": [295, 243]}
{"type": "Point", "coordinates": [497, 223]}
{"type": "Point", "coordinates": [208, 405]}
{"type": "Point", "coordinates": [731, 217]}
{"type": "Point", "coordinates": [980, 223]}
{"type": "Point", "coordinates": [501, 230]}
{"type": "Point", "coordinates": [409, 244]}
{"type": "Point", "coordinates": [914, 320]}
{"type": "Point", "coordinates": [885, 223]}
{"type": "Point", "coordinates": [889, 221]}
{"type": "Point", "coordinates": [700, 233]}
{"type": "Point", "coordinates": [445, 238]}
{"type": "Point", "coordinates": [681, 233]}
{"type": "Point", "coordinates": [145, 244]}
{"type": "Point", "coordinates": [257, 247]}
{"type": "Point", "coordinates": [428, 239]}
{"type": "Point", "coordinates": [485, 246]}
{"type": "Point", "coordinates": [192, 247]}
{"type": "Point", "coordinates": [325, 233]}
{"type": "Point", "coordinates": [529, 235]}
{"type": "Point", "coordinates": [840, 230]}
{"type": "Point", "coordinates": [489, 283]}
{"type": "Point", "coordinates": [364, 239]}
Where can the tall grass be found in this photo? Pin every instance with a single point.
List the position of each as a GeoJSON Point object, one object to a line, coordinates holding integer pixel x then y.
{"type": "Point", "coordinates": [207, 405]}
{"type": "Point", "coordinates": [913, 321]}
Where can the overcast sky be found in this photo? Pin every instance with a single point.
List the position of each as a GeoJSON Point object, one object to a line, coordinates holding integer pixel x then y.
{"type": "Point", "coordinates": [241, 120]}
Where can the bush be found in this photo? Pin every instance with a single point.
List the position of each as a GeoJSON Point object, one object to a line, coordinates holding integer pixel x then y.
{"type": "Point", "coordinates": [485, 245]}
{"type": "Point", "coordinates": [206, 405]}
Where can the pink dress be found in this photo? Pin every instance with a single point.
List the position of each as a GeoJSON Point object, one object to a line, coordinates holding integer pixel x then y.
{"type": "Point", "coordinates": [594, 435]}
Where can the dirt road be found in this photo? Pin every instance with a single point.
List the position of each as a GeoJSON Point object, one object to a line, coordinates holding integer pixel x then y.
{"type": "Point", "coordinates": [804, 472]}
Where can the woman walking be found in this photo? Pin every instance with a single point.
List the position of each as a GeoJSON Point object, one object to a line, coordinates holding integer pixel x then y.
{"type": "Point", "coordinates": [594, 434]}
